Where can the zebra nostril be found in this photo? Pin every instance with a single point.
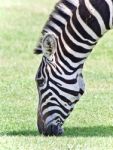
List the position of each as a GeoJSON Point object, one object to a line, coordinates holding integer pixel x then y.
{"type": "Point", "coordinates": [53, 130]}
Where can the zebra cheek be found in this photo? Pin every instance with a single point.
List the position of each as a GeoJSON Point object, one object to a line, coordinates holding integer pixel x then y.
{"type": "Point", "coordinates": [40, 124]}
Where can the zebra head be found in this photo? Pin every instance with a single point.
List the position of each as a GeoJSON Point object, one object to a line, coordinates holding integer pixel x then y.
{"type": "Point", "coordinates": [58, 89]}
{"type": "Point", "coordinates": [73, 29]}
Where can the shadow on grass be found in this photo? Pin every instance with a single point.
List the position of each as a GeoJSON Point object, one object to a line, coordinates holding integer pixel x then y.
{"type": "Point", "coordinates": [95, 131]}
{"type": "Point", "coordinates": [20, 133]}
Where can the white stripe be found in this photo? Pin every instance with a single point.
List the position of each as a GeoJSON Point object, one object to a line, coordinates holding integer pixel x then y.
{"type": "Point", "coordinates": [94, 12]}
{"type": "Point", "coordinates": [54, 95]}
{"type": "Point", "coordinates": [44, 94]}
{"type": "Point", "coordinates": [66, 85]}
{"type": "Point", "coordinates": [86, 27]}
{"type": "Point", "coordinates": [78, 33]}
{"type": "Point", "coordinates": [74, 2]}
{"type": "Point", "coordinates": [55, 26]}
{"type": "Point", "coordinates": [110, 4]}
{"type": "Point", "coordinates": [76, 42]}
{"type": "Point", "coordinates": [46, 77]}
{"type": "Point", "coordinates": [74, 65]}
{"type": "Point", "coordinates": [49, 101]}
{"type": "Point", "coordinates": [52, 117]}
{"type": "Point", "coordinates": [60, 61]}
{"type": "Point", "coordinates": [57, 65]}
{"type": "Point", "coordinates": [63, 65]}
{"type": "Point", "coordinates": [63, 8]}
{"type": "Point", "coordinates": [63, 21]}
{"type": "Point", "coordinates": [74, 53]}
{"type": "Point", "coordinates": [59, 18]}
{"type": "Point", "coordinates": [70, 97]}
{"type": "Point", "coordinates": [50, 108]}
{"type": "Point", "coordinates": [71, 76]}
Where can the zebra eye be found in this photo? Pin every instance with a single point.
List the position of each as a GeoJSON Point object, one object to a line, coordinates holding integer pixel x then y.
{"type": "Point", "coordinates": [49, 44]}
{"type": "Point", "coordinates": [41, 82]}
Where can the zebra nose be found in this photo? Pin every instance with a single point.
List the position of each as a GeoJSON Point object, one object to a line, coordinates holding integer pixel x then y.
{"type": "Point", "coordinates": [50, 130]}
{"type": "Point", "coordinates": [54, 130]}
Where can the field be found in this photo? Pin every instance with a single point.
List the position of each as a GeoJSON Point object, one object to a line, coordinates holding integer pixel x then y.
{"type": "Point", "coordinates": [90, 126]}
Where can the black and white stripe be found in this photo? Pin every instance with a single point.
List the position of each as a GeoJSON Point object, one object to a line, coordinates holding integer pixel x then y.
{"type": "Point", "coordinates": [76, 26]}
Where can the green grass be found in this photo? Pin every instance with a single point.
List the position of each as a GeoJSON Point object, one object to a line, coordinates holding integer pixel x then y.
{"type": "Point", "coordinates": [90, 126]}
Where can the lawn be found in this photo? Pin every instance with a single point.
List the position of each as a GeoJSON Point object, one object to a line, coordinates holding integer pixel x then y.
{"type": "Point", "coordinates": [90, 126]}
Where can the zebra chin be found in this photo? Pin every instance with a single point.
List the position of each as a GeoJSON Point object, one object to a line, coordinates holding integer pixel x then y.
{"type": "Point", "coordinates": [49, 130]}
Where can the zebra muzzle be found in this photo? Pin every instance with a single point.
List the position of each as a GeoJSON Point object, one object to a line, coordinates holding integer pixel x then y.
{"type": "Point", "coordinates": [53, 130]}
{"type": "Point", "coordinates": [49, 130]}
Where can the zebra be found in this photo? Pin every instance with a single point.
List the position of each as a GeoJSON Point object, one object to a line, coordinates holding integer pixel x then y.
{"type": "Point", "coordinates": [68, 37]}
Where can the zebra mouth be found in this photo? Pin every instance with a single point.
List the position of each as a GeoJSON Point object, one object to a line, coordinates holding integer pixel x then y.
{"type": "Point", "coordinates": [50, 130]}
{"type": "Point", "coordinates": [53, 130]}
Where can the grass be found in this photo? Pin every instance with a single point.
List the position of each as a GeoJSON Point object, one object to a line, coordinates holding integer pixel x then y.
{"type": "Point", "coordinates": [90, 126]}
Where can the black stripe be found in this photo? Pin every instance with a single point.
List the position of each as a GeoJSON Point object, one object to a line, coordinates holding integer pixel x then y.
{"type": "Point", "coordinates": [42, 67]}
{"type": "Point", "coordinates": [68, 73]}
{"type": "Point", "coordinates": [62, 97]}
{"type": "Point", "coordinates": [65, 62]}
{"type": "Point", "coordinates": [72, 46]}
{"type": "Point", "coordinates": [102, 7]}
{"type": "Point", "coordinates": [69, 5]}
{"type": "Point", "coordinates": [50, 104]}
{"type": "Point", "coordinates": [75, 36]}
{"type": "Point", "coordinates": [81, 92]}
{"type": "Point", "coordinates": [68, 81]}
{"type": "Point", "coordinates": [63, 69]}
{"type": "Point", "coordinates": [47, 96]}
{"type": "Point", "coordinates": [68, 91]}
{"type": "Point", "coordinates": [68, 41]}
{"type": "Point", "coordinates": [80, 29]}
{"type": "Point", "coordinates": [49, 113]}
{"type": "Point", "coordinates": [63, 14]}
{"type": "Point", "coordinates": [89, 19]}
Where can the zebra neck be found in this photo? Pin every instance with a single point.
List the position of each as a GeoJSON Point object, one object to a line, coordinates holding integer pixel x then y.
{"type": "Point", "coordinates": [81, 21]}
{"type": "Point", "coordinates": [77, 26]}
